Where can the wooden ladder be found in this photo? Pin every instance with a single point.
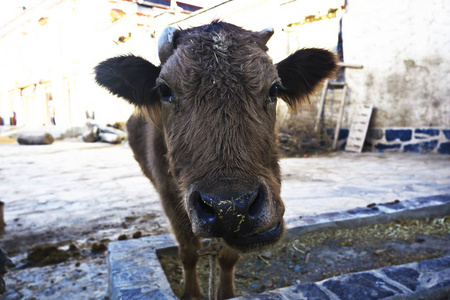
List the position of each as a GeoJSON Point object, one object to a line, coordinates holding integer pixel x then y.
{"type": "Point", "coordinates": [344, 87]}
{"type": "Point", "coordinates": [358, 128]}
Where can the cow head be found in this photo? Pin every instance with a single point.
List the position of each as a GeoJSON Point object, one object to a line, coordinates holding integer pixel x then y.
{"type": "Point", "coordinates": [214, 98]}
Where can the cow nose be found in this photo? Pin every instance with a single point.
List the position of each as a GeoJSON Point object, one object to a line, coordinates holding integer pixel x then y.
{"type": "Point", "coordinates": [228, 213]}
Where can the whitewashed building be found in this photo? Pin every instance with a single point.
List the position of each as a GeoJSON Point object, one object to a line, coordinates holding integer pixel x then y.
{"type": "Point", "coordinates": [48, 52]}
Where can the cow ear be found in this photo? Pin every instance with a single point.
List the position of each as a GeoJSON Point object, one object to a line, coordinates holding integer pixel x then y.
{"type": "Point", "coordinates": [302, 72]}
{"type": "Point", "coordinates": [130, 77]}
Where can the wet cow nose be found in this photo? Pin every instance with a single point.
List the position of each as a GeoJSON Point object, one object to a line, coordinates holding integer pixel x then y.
{"type": "Point", "coordinates": [228, 213]}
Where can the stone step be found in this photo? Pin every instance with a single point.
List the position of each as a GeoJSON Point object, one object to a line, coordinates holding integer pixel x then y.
{"type": "Point", "coordinates": [134, 271]}
{"type": "Point", "coordinates": [428, 279]}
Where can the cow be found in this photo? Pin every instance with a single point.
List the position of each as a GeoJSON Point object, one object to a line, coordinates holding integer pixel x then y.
{"type": "Point", "coordinates": [204, 133]}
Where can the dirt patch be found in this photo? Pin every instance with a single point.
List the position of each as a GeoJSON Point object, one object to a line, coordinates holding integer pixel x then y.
{"type": "Point", "coordinates": [321, 255]}
{"type": "Point", "coordinates": [47, 254]}
{"type": "Point", "coordinates": [98, 248]}
{"type": "Point", "coordinates": [51, 254]}
{"type": "Point", "coordinates": [54, 248]}
{"type": "Point", "coordinates": [25, 240]}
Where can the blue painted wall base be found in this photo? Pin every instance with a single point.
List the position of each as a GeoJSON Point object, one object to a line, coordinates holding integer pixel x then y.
{"type": "Point", "coordinates": [417, 140]}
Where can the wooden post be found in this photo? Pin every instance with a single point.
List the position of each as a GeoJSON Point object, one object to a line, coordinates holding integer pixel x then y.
{"type": "Point", "coordinates": [341, 114]}
{"type": "Point", "coordinates": [2, 218]}
{"type": "Point", "coordinates": [321, 105]}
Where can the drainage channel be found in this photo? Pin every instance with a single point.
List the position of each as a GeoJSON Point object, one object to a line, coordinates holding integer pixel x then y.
{"type": "Point", "coordinates": [135, 272]}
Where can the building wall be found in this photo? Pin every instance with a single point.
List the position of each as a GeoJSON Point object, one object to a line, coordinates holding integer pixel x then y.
{"type": "Point", "coordinates": [47, 67]}
{"type": "Point", "coordinates": [404, 47]}
{"type": "Point", "coordinates": [61, 51]}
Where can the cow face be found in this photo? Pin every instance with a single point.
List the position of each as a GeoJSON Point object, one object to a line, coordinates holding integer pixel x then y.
{"type": "Point", "coordinates": [214, 98]}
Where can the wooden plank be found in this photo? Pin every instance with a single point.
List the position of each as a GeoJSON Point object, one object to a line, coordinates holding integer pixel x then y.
{"type": "Point", "coordinates": [338, 84]}
{"type": "Point", "coordinates": [358, 129]}
{"type": "Point", "coordinates": [350, 66]}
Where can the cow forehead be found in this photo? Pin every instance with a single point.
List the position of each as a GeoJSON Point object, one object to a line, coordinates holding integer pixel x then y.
{"type": "Point", "coordinates": [231, 58]}
{"type": "Point", "coordinates": [219, 35]}
{"type": "Point", "coordinates": [220, 41]}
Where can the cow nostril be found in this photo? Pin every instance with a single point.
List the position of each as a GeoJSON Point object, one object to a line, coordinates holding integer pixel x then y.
{"type": "Point", "coordinates": [256, 204]}
{"type": "Point", "coordinates": [203, 206]}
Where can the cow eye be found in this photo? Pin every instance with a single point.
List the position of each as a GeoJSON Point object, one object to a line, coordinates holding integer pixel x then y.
{"type": "Point", "coordinates": [273, 92]}
{"type": "Point", "coordinates": [165, 92]}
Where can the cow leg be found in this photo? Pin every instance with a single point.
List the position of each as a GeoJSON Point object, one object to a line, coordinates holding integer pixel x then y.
{"type": "Point", "coordinates": [189, 258]}
{"type": "Point", "coordinates": [188, 245]}
{"type": "Point", "coordinates": [149, 150]}
{"type": "Point", "coordinates": [227, 261]}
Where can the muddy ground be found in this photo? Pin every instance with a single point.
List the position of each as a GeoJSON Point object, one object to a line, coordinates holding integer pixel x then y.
{"type": "Point", "coordinates": [70, 263]}
{"type": "Point", "coordinates": [321, 255]}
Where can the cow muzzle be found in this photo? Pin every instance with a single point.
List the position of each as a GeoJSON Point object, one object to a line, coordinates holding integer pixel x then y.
{"type": "Point", "coordinates": [243, 214]}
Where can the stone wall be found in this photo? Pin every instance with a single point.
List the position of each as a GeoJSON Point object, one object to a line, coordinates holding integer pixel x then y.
{"type": "Point", "coordinates": [431, 139]}
{"type": "Point", "coordinates": [402, 139]}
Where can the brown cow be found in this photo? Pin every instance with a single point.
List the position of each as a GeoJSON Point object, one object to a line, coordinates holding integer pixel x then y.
{"type": "Point", "coordinates": [206, 137]}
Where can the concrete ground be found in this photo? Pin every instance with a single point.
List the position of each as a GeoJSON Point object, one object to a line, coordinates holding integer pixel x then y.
{"type": "Point", "coordinates": [74, 192]}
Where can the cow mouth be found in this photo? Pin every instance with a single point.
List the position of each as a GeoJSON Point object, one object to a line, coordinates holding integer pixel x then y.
{"type": "Point", "coordinates": [257, 240]}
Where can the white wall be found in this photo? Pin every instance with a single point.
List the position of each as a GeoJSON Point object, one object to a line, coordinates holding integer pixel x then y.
{"type": "Point", "coordinates": [79, 35]}
{"type": "Point", "coordinates": [62, 53]}
{"type": "Point", "coordinates": [404, 46]}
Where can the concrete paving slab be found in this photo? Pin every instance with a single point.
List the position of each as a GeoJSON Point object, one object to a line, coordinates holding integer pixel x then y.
{"type": "Point", "coordinates": [69, 183]}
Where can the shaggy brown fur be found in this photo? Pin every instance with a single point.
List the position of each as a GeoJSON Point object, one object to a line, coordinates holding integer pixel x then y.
{"type": "Point", "coordinates": [210, 147]}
